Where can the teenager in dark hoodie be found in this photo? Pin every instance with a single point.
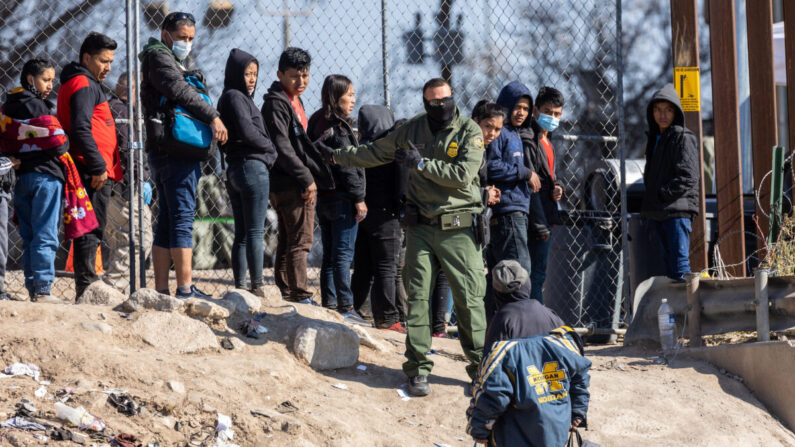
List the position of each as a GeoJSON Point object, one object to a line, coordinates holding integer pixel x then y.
{"type": "Point", "coordinates": [40, 182]}
{"type": "Point", "coordinates": [671, 178]}
{"type": "Point", "coordinates": [297, 175]}
{"type": "Point", "coordinates": [341, 208]}
{"type": "Point", "coordinates": [510, 171]}
{"type": "Point", "coordinates": [84, 112]}
{"type": "Point", "coordinates": [378, 239]}
{"type": "Point", "coordinates": [249, 155]}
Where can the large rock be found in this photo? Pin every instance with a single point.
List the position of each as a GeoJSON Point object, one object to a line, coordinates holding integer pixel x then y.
{"type": "Point", "coordinates": [151, 299]}
{"type": "Point", "coordinates": [239, 301]}
{"type": "Point", "coordinates": [326, 345]}
{"type": "Point", "coordinates": [101, 294]}
{"type": "Point", "coordinates": [175, 333]}
{"type": "Point", "coordinates": [205, 310]}
{"type": "Point", "coordinates": [367, 340]}
{"type": "Point", "coordinates": [97, 326]}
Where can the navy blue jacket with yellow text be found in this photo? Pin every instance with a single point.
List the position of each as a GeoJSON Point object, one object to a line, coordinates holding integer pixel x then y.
{"type": "Point", "coordinates": [529, 389]}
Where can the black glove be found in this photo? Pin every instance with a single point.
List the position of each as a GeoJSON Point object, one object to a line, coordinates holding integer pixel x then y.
{"type": "Point", "coordinates": [408, 158]}
{"type": "Point", "coordinates": [326, 151]}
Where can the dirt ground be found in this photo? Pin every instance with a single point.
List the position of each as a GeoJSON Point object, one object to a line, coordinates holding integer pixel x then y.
{"type": "Point", "coordinates": [636, 399]}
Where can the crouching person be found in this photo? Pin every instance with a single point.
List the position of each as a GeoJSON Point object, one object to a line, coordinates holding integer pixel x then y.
{"type": "Point", "coordinates": [531, 391]}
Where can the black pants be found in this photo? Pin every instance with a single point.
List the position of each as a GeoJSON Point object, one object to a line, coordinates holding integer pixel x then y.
{"type": "Point", "coordinates": [375, 266]}
{"type": "Point", "coordinates": [85, 247]}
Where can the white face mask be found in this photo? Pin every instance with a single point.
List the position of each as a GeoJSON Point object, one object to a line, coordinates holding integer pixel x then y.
{"type": "Point", "coordinates": [180, 48]}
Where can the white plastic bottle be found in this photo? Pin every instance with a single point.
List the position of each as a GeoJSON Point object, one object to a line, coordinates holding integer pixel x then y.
{"type": "Point", "coordinates": [666, 322]}
{"type": "Point", "coordinates": [78, 417]}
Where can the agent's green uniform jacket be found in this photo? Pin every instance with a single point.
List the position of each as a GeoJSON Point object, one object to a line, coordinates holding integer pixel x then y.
{"type": "Point", "coordinates": [447, 185]}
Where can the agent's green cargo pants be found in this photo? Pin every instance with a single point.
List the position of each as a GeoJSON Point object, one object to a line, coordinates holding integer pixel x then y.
{"type": "Point", "coordinates": [456, 253]}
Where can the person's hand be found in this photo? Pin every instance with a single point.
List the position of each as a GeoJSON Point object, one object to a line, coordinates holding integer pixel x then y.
{"type": "Point", "coordinates": [361, 211]}
{"type": "Point", "coordinates": [97, 181]}
{"type": "Point", "coordinates": [409, 158]}
{"type": "Point", "coordinates": [310, 194]}
{"type": "Point", "coordinates": [534, 181]}
{"type": "Point", "coordinates": [494, 195]}
{"type": "Point", "coordinates": [557, 193]}
{"type": "Point", "coordinates": [15, 162]}
{"type": "Point", "coordinates": [575, 423]}
{"type": "Point", "coordinates": [219, 130]}
{"type": "Point", "coordinates": [147, 193]}
{"type": "Point", "coordinates": [326, 151]}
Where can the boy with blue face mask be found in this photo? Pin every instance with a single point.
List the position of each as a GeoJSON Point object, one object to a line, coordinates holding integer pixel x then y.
{"type": "Point", "coordinates": [546, 118]}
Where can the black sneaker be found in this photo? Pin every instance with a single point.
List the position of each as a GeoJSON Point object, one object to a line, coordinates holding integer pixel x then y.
{"type": "Point", "coordinates": [469, 388]}
{"type": "Point", "coordinates": [194, 293]}
{"type": "Point", "coordinates": [418, 386]}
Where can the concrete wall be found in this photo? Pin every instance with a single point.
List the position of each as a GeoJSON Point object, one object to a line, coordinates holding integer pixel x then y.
{"type": "Point", "coordinates": [768, 370]}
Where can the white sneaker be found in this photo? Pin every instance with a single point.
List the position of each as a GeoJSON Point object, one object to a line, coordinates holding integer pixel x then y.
{"type": "Point", "coordinates": [46, 298]}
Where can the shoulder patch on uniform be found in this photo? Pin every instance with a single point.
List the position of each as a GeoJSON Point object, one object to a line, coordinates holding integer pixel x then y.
{"type": "Point", "coordinates": [478, 143]}
{"type": "Point", "coordinates": [452, 149]}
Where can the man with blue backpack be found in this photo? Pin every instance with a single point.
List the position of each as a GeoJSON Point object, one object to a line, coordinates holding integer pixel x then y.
{"type": "Point", "coordinates": [181, 123]}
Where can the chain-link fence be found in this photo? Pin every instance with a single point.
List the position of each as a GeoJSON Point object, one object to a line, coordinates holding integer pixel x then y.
{"type": "Point", "coordinates": [388, 48]}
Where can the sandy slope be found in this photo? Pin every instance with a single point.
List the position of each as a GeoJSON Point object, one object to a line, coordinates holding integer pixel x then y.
{"type": "Point", "coordinates": [635, 401]}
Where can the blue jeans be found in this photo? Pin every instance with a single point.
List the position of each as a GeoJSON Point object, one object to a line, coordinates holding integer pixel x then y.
{"type": "Point", "coordinates": [247, 185]}
{"type": "Point", "coordinates": [539, 252]}
{"type": "Point", "coordinates": [338, 233]}
{"type": "Point", "coordinates": [508, 241]}
{"type": "Point", "coordinates": [37, 202]}
{"type": "Point", "coordinates": [671, 237]}
{"type": "Point", "coordinates": [176, 182]}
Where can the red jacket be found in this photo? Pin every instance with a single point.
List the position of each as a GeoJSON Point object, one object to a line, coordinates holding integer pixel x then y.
{"type": "Point", "coordinates": [84, 113]}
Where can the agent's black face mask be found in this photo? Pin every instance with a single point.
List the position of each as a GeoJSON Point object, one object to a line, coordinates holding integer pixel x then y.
{"type": "Point", "coordinates": [440, 112]}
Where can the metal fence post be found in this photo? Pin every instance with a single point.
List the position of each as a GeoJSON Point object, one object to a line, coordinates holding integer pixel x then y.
{"type": "Point", "coordinates": [385, 52]}
{"type": "Point", "coordinates": [139, 120]}
{"type": "Point", "coordinates": [624, 274]}
{"type": "Point", "coordinates": [762, 306]}
{"type": "Point", "coordinates": [130, 142]}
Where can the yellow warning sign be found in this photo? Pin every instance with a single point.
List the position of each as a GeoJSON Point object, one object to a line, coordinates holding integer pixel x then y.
{"type": "Point", "coordinates": [688, 85]}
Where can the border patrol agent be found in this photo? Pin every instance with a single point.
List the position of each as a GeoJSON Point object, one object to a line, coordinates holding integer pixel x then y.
{"type": "Point", "coordinates": [443, 150]}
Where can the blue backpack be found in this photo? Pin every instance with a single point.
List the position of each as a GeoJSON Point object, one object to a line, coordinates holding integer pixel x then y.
{"type": "Point", "coordinates": [184, 136]}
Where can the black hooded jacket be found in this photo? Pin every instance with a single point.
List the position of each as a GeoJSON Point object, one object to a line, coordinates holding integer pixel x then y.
{"type": "Point", "coordinates": [541, 202]}
{"type": "Point", "coordinates": [385, 184]}
{"type": "Point", "coordinates": [248, 139]}
{"type": "Point", "coordinates": [21, 104]}
{"type": "Point", "coordinates": [163, 75]}
{"type": "Point", "coordinates": [298, 164]}
{"type": "Point", "coordinates": [672, 169]}
{"type": "Point", "coordinates": [348, 181]}
{"type": "Point", "coordinates": [519, 316]}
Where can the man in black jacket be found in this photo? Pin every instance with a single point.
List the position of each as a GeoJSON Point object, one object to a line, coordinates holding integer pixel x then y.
{"type": "Point", "coordinates": [84, 112]}
{"type": "Point", "coordinates": [671, 179]}
{"type": "Point", "coordinates": [543, 203]}
{"type": "Point", "coordinates": [176, 179]}
{"type": "Point", "coordinates": [297, 175]}
{"type": "Point", "coordinates": [378, 241]}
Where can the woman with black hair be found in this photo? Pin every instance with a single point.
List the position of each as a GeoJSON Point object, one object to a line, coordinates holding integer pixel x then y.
{"type": "Point", "coordinates": [250, 155]}
{"type": "Point", "coordinates": [342, 208]}
{"type": "Point", "coordinates": [40, 173]}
